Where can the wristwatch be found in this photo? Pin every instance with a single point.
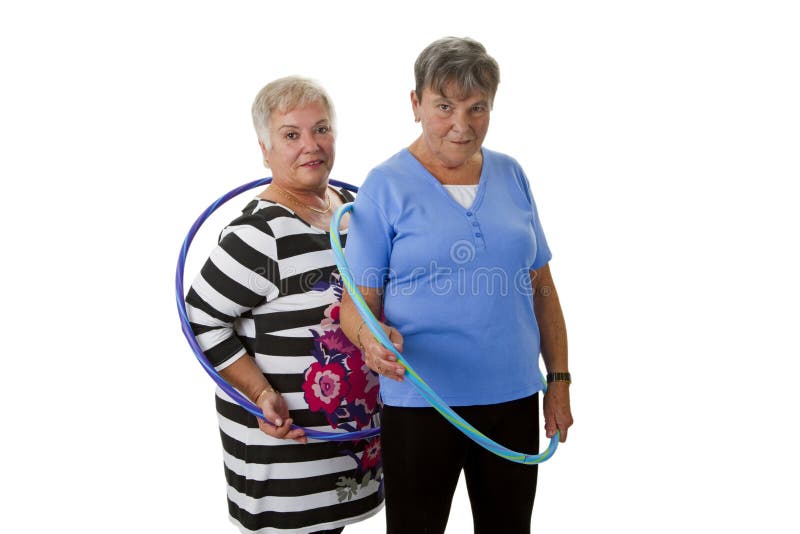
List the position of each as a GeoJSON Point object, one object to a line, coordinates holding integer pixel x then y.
{"type": "Point", "coordinates": [559, 377]}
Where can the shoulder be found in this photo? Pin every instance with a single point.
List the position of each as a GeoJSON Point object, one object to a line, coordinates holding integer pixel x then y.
{"type": "Point", "coordinates": [394, 181]}
{"type": "Point", "coordinates": [499, 160]}
{"type": "Point", "coordinates": [397, 172]}
{"type": "Point", "coordinates": [259, 217]}
{"type": "Point", "coordinates": [400, 162]}
{"type": "Point", "coordinates": [508, 169]}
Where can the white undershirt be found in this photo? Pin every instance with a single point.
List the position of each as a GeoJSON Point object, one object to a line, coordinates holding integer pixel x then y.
{"type": "Point", "coordinates": [463, 194]}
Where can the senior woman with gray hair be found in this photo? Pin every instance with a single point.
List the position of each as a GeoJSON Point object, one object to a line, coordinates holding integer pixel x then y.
{"type": "Point", "coordinates": [265, 310]}
{"type": "Point", "coordinates": [445, 241]}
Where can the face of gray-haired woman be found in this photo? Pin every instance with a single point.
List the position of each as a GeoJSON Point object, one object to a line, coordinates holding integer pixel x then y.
{"type": "Point", "coordinates": [453, 128]}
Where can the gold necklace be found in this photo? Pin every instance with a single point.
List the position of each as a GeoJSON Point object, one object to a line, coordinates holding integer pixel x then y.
{"type": "Point", "coordinates": [296, 201]}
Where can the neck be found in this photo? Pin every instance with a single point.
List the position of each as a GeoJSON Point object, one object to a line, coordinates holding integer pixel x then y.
{"type": "Point", "coordinates": [466, 173]}
{"type": "Point", "coordinates": [310, 194]}
{"type": "Point", "coordinates": [312, 201]}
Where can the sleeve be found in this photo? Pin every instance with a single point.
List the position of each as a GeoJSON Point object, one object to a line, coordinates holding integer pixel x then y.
{"type": "Point", "coordinates": [369, 241]}
{"type": "Point", "coordinates": [241, 273]}
{"type": "Point", "coordinates": [543, 254]}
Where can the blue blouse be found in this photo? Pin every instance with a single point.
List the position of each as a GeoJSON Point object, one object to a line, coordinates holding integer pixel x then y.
{"type": "Point", "coordinates": [457, 282]}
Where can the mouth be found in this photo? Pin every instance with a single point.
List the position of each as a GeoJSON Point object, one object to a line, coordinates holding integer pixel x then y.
{"type": "Point", "coordinates": [313, 164]}
{"type": "Point", "coordinates": [462, 142]}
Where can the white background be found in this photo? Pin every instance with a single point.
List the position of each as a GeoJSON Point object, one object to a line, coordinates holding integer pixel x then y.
{"type": "Point", "coordinates": [661, 139]}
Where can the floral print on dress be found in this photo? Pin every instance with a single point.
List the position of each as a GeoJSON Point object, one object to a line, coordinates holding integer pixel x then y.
{"type": "Point", "coordinates": [325, 385]}
{"type": "Point", "coordinates": [372, 455]}
{"type": "Point", "coordinates": [331, 319]}
{"type": "Point", "coordinates": [339, 384]}
{"type": "Point", "coordinates": [370, 467]}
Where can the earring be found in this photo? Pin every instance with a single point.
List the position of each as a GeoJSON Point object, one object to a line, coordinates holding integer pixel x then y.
{"type": "Point", "coordinates": [266, 163]}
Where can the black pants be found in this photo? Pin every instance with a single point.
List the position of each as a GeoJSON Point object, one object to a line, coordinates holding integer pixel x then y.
{"type": "Point", "coordinates": [423, 455]}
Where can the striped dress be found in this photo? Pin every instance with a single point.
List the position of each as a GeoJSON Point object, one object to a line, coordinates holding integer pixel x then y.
{"type": "Point", "coordinates": [271, 289]}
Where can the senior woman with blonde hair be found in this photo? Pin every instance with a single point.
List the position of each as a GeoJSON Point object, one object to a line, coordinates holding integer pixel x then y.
{"type": "Point", "coordinates": [445, 241]}
{"type": "Point", "coordinates": [265, 310]}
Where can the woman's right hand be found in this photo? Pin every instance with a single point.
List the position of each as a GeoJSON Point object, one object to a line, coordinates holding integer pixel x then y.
{"type": "Point", "coordinates": [274, 407]}
{"type": "Point", "coordinates": [379, 358]}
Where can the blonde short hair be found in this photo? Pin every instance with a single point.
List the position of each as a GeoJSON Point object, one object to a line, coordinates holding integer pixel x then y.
{"type": "Point", "coordinates": [285, 94]}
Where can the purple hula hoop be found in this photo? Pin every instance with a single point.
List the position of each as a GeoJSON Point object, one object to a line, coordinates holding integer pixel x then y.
{"type": "Point", "coordinates": [187, 329]}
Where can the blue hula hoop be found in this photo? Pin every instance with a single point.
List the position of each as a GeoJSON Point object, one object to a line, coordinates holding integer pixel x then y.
{"type": "Point", "coordinates": [433, 399]}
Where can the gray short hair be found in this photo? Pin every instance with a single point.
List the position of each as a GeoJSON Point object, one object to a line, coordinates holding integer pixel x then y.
{"type": "Point", "coordinates": [283, 95]}
{"type": "Point", "coordinates": [460, 60]}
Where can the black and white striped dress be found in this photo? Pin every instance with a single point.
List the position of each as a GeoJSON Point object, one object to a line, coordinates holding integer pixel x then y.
{"type": "Point", "coordinates": [271, 289]}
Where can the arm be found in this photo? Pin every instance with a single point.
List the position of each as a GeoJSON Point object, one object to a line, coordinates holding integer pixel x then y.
{"type": "Point", "coordinates": [553, 334]}
{"type": "Point", "coordinates": [369, 249]}
{"type": "Point", "coordinates": [377, 357]}
{"type": "Point", "coordinates": [222, 292]}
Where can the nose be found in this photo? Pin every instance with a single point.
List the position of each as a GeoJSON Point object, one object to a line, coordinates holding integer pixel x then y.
{"type": "Point", "coordinates": [460, 122]}
{"type": "Point", "coordinates": [310, 143]}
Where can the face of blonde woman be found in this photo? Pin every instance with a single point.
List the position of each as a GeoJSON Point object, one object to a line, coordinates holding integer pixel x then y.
{"type": "Point", "coordinates": [453, 128]}
{"type": "Point", "coordinates": [303, 146]}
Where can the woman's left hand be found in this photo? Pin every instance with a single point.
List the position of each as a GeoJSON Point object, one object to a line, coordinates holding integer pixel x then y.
{"type": "Point", "coordinates": [557, 413]}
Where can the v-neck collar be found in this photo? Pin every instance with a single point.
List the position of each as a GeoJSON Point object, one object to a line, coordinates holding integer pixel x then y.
{"type": "Point", "coordinates": [440, 187]}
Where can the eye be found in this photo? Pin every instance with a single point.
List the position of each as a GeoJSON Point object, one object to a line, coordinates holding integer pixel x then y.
{"type": "Point", "coordinates": [478, 109]}
{"type": "Point", "coordinates": [292, 136]}
{"type": "Point", "coordinates": [445, 107]}
{"type": "Point", "coordinates": [323, 129]}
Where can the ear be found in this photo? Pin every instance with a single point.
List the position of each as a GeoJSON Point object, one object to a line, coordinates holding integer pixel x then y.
{"type": "Point", "coordinates": [415, 105]}
{"type": "Point", "coordinates": [264, 152]}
